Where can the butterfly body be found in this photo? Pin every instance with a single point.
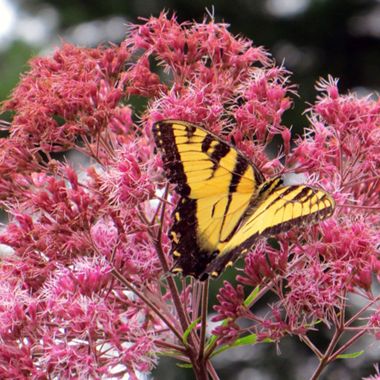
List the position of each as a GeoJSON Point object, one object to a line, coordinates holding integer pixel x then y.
{"type": "Point", "coordinates": [225, 203]}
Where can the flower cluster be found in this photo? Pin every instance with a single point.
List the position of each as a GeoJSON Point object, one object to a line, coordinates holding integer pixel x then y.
{"type": "Point", "coordinates": [86, 291]}
{"type": "Point", "coordinates": [313, 271]}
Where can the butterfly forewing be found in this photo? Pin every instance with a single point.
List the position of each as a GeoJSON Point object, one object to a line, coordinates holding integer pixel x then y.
{"type": "Point", "coordinates": [216, 183]}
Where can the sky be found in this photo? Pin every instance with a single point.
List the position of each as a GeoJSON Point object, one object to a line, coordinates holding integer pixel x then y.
{"type": "Point", "coordinates": [7, 18]}
{"type": "Point", "coordinates": [40, 29]}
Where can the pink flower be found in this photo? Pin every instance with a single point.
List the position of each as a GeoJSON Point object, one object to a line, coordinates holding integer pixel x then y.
{"type": "Point", "coordinates": [264, 263]}
{"type": "Point", "coordinates": [374, 323]}
{"type": "Point", "coordinates": [128, 179]}
{"type": "Point", "coordinates": [231, 302]}
{"type": "Point", "coordinates": [376, 376]}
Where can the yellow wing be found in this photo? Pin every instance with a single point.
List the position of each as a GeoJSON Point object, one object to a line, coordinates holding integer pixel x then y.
{"type": "Point", "coordinates": [216, 184]}
{"type": "Point", "coordinates": [225, 203]}
{"type": "Point", "coordinates": [276, 209]}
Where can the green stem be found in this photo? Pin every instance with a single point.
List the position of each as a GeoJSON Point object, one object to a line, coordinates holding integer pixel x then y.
{"type": "Point", "coordinates": [203, 319]}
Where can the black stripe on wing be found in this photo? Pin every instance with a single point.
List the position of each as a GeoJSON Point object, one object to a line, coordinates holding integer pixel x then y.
{"type": "Point", "coordinates": [240, 167]}
{"type": "Point", "coordinates": [165, 141]}
{"type": "Point", "coordinates": [305, 195]}
{"type": "Point", "coordinates": [190, 258]}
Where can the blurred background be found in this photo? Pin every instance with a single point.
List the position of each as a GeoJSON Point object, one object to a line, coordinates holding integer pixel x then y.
{"type": "Point", "coordinates": [313, 38]}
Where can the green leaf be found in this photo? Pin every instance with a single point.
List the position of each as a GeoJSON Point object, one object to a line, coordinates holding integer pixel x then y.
{"type": "Point", "coordinates": [247, 302]}
{"type": "Point", "coordinates": [252, 296]}
{"type": "Point", "coordinates": [353, 355]}
{"type": "Point", "coordinates": [184, 365]}
{"type": "Point", "coordinates": [187, 332]}
{"type": "Point", "coordinates": [246, 340]}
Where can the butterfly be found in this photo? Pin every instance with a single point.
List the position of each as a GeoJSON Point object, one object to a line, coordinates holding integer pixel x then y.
{"type": "Point", "coordinates": [225, 202]}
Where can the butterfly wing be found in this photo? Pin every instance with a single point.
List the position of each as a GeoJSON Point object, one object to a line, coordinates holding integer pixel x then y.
{"type": "Point", "coordinates": [216, 184]}
{"type": "Point", "coordinates": [276, 209]}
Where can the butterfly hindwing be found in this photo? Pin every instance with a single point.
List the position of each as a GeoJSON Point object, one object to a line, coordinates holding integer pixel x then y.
{"type": "Point", "coordinates": [225, 203]}
{"type": "Point", "coordinates": [275, 210]}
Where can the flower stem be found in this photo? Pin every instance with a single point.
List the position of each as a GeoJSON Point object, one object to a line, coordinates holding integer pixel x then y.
{"type": "Point", "coordinates": [131, 287]}
{"type": "Point", "coordinates": [326, 357]}
{"type": "Point", "coordinates": [169, 346]}
{"type": "Point", "coordinates": [205, 290]}
{"type": "Point", "coordinates": [311, 345]}
{"type": "Point", "coordinates": [211, 371]}
{"type": "Point", "coordinates": [346, 345]}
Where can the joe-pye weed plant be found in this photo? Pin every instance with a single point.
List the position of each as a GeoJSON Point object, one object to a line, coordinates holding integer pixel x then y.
{"type": "Point", "coordinates": [86, 290]}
